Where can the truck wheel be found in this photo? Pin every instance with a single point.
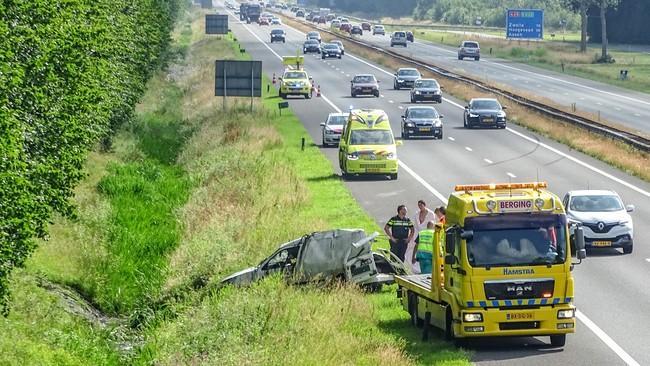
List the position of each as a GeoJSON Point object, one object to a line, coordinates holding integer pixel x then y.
{"type": "Point", "coordinates": [449, 326]}
{"type": "Point", "coordinates": [558, 340]}
{"type": "Point", "coordinates": [413, 309]}
{"type": "Point", "coordinates": [283, 96]}
{"type": "Point", "coordinates": [393, 176]}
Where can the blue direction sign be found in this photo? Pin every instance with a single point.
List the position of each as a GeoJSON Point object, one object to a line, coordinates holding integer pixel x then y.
{"type": "Point", "coordinates": [525, 23]}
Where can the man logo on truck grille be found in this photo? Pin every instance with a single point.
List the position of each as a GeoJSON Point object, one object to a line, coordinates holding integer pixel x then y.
{"type": "Point", "coordinates": [518, 290]}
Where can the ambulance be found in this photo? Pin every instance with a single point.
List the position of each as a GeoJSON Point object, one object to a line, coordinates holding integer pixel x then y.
{"type": "Point", "coordinates": [367, 144]}
{"type": "Point", "coordinates": [501, 266]}
{"type": "Point", "coordinates": [295, 80]}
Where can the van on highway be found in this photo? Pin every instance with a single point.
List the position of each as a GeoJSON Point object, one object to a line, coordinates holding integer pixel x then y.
{"type": "Point", "coordinates": [367, 145]}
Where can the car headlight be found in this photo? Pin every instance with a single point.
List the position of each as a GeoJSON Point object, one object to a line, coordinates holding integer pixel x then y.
{"type": "Point", "coordinates": [437, 123]}
{"type": "Point", "coordinates": [418, 92]}
{"type": "Point", "coordinates": [353, 156]}
{"type": "Point", "coordinates": [400, 80]}
{"type": "Point", "coordinates": [436, 92]}
{"type": "Point", "coordinates": [329, 132]}
{"type": "Point", "coordinates": [410, 124]}
{"type": "Point", "coordinates": [472, 317]}
{"type": "Point", "coordinates": [566, 314]}
{"type": "Point", "coordinates": [501, 114]}
{"type": "Point", "coordinates": [472, 115]}
{"type": "Point", "coordinates": [391, 156]}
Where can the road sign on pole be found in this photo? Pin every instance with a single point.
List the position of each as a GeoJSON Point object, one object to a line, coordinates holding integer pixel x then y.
{"type": "Point", "coordinates": [216, 24]}
{"type": "Point", "coordinates": [238, 79]}
{"type": "Point", "coordinates": [525, 24]}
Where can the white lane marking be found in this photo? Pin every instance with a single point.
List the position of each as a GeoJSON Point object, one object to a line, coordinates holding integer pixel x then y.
{"type": "Point", "coordinates": [583, 318]}
{"type": "Point", "coordinates": [348, 75]}
{"type": "Point", "coordinates": [400, 107]}
{"type": "Point", "coordinates": [637, 115]}
{"type": "Point", "coordinates": [606, 339]}
{"type": "Point", "coordinates": [511, 175]}
{"type": "Point", "coordinates": [451, 138]}
{"type": "Point", "coordinates": [538, 86]}
{"type": "Point", "coordinates": [468, 148]}
{"type": "Point", "coordinates": [617, 108]}
{"type": "Point", "coordinates": [582, 98]}
{"type": "Point", "coordinates": [342, 72]}
{"type": "Point", "coordinates": [647, 260]}
{"type": "Point", "coordinates": [599, 103]}
{"type": "Point", "coordinates": [488, 161]}
{"type": "Point", "coordinates": [390, 101]}
{"type": "Point", "coordinates": [337, 69]}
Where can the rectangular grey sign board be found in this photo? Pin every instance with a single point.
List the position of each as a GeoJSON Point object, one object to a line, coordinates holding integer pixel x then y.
{"type": "Point", "coordinates": [216, 24]}
{"type": "Point", "coordinates": [206, 4]}
{"type": "Point", "coordinates": [238, 78]}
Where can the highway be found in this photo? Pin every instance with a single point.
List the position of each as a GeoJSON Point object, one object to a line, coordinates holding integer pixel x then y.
{"type": "Point", "coordinates": [612, 291]}
{"type": "Point", "coordinates": [622, 107]}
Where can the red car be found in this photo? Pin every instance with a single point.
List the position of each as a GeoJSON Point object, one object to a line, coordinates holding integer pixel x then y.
{"type": "Point", "coordinates": [345, 27]}
{"type": "Point", "coordinates": [263, 21]}
{"type": "Point", "coordinates": [365, 26]}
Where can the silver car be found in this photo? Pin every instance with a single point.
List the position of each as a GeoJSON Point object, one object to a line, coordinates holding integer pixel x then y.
{"type": "Point", "coordinates": [606, 222]}
{"type": "Point", "coordinates": [469, 49]}
{"type": "Point", "coordinates": [332, 128]}
{"type": "Point", "coordinates": [398, 38]}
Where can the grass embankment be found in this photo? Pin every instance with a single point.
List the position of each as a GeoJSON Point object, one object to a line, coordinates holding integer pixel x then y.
{"type": "Point", "coordinates": [552, 55]}
{"type": "Point", "coordinates": [612, 152]}
{"type": "Point", "coordinates": [192, 193]}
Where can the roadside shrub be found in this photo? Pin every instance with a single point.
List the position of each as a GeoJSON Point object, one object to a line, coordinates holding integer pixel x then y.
{"type": "Point", "coordinates": [70, 73]}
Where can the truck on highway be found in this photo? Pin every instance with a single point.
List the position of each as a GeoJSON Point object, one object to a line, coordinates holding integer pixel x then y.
{"type": "Point", "coordinates": [501, 266]}
{"type": "Point", "coordinates": [250, 12]}
{"type": "Point", "coordinates": [324, 12]}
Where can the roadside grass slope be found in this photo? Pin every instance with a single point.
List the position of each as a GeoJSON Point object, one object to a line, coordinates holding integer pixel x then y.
{"type": "Point", "coordinates": [190, 193]}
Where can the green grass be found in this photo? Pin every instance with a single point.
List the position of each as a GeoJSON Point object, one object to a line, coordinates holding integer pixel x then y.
{"type": "Point", "coordinates": [552, 55]}
{"type": "Point", "coordinates": [190, 194]}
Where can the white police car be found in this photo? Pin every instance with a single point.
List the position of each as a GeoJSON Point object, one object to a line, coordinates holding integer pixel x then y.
{"type": "Point", "coordinates": [606, 222]}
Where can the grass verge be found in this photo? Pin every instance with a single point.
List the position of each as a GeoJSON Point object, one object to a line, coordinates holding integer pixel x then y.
{"type": "Point", "coordinates": [615, 153]}
{"type": "Point", "coordinates": [191, 193]}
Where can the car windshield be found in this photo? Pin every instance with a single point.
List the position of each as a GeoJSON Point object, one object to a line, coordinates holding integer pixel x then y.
{"type": "Point", "coordinates": [422, 113]}
{"type": "Point", "coordinates": [486, 104]}
{"type": "Point", "coordinates": [364, 79]}
{"type": "Point", "coordinates": [338, 43]}
{"type": "Point", "coordinates": [399, 34]}
{"type": "Point", "coordinates": [337, 120]}
{"type": "Point", "coordinates": [295, 75]}
{"type": "Point", "coordinates": [331, 47]}
{"type": "Point", "coordinates": [426, 84]}
{"type": "Point", "coordinates": [277, 31]}
{"type": "Point", "coordinates": [470, 45]}
{"type": "Point", "coordinates": [408, 72]}
{"type": "Point", "coordinates": [311, 41]}
{"type": "Point", "coordinates": [379, 27]}
{"type": "Point", "coordinates": [596, 203]}
{"type": "Point", "coordinates": [518, 240]}
{"type": "Point", "coordinates": [371, 137]}
{"type": "Point", "coordinates": [312, 34]}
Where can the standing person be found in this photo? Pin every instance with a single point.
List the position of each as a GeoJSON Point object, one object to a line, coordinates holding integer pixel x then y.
{"type": "Point", "coordinates": [420, 219]}
{"type": "Point", "coordinates": [442, 217]}
{"type": "Point", "coordinates": [400, 232]}
{"type": "Point", "coordinates": [423, 252]}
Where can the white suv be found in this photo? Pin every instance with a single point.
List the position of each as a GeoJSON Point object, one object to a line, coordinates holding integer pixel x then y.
{"type": "Point", "coordinates": [606, 222]}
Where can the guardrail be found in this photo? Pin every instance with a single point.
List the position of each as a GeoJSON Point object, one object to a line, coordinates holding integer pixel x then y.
{"type": "Point", "coordinates": [632, 139]}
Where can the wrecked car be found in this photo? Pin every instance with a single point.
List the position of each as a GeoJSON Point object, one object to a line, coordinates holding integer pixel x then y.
{"type": "Point", "coordinates": [341, 254]}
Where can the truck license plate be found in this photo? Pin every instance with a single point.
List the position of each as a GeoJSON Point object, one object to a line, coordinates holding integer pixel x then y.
{"type": "Point", "coordinates": [520, 316]}
{"type": "Point", "coordinates": [373, 170]}
{"type": "Point", "coordinates": [602, 243]}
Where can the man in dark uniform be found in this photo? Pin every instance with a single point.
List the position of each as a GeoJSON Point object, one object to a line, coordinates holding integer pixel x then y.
{"type": "Point", "coordinates": [400, 232]}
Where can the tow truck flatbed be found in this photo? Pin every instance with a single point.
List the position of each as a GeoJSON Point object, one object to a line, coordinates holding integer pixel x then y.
{"type": "Point", "coordinates": [422, 281]}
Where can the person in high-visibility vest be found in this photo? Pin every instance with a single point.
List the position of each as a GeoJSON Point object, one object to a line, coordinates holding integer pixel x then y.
{"type": "Point", "coordinates": [423, 251]}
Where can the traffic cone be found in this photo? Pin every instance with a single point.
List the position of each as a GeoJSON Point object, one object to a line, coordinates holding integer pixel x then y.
{"type": "Point", "coordinates": [273, 78]}
{"type": "Point", "coordinates": [318, 91]}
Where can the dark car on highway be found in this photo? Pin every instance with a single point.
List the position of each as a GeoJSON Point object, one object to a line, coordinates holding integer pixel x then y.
{"type": "Point", "coordinates": [365, 26]}
{"type": "Point", "coordinates": [405, 77]}
{"type": "Point", "coordinates": [409, 36]}
{"type": "Point", "coordinates": [484, 112]}
{"type": "Point", "coordinates": [364, 84]}
{"type": "Point", "coordinates": [426, 89]}
{"type": "Point", "coordinates": [300, 14]}
{"type": "Point", "coordinates": [356, 29]}
{"type": "Point", "coordinates": [311, 46]}
{"type": "Point", "coordinates": [330, 50]}
{"type": "Point", "coordinates": [421, 121]}
{"type": "Point", "coordinates": [314, 35]}
{"type": "Point", "coordinates": [277, 35]}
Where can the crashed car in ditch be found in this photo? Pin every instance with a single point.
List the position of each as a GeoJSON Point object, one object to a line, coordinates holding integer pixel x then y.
{"type": "Point", "coordinates": [341, 254]}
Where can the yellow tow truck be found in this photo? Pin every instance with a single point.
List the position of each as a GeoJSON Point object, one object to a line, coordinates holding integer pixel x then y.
{"type": "Point", "coordinates": [295, 80]}
{"type": "Point", "coordinates": [501, 266]}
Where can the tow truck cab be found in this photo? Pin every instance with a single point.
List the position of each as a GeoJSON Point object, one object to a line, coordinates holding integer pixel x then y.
{"type": "Point", "coordinates": [502, 266]}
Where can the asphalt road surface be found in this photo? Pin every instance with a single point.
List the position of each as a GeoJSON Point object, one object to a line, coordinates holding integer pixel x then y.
{"type": "Point", "coordinates": [620, 106]}
{"type": "Point", "coordinates": [612, 290]}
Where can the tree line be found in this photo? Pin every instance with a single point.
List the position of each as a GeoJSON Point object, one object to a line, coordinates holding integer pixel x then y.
{"type": "Point", "coordinates": [71, 73]}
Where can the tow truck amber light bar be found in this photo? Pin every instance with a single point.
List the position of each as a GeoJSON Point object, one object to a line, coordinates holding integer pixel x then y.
{"type": "Point", "coordinates": [499, 186]}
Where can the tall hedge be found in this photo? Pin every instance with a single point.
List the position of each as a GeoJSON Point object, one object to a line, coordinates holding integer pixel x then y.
{"type": "Point", "coordinates": [71, 72]}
